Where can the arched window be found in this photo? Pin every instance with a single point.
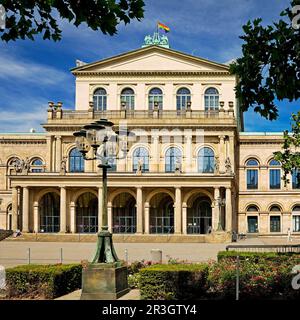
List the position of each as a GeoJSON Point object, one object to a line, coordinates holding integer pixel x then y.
{"type": "Point", "coordinates": [274, 174]}
{"type": "Point", "coordinates": [127, 97]}
{"type": "Point", "coordinates": [37, 165]}
{"type": "Point", "coordinates": [252, 219]}
{"type": "Point", "coordinates": [296, 178]}
{"type": "Point", "coordinates": [49, 209]}
{"type": "Point", "coordinates": [275, 219]}
{"type": "Point", "coordinates": [252, 208]}
{"type": "Point", "coordinates": [140, 154]}
{"type": "Point", "coordinates": [206, 160]}
{"type": "Point", "coordinates": [87, 213]}
{"type": "Point", "coordinates": [211, 99]}
{"type": "Point", "coordinates": [76, 161]}
{"type": "Point", "coordinates": [183, 96]}
{"type": "Point", "coordinates": [296, 218]}
{"type": "Point", "coordinates": [173, 155]}
{"type": "Point", "coordinates": [100, 99]}
{"type": "Point", "coordinates": [252, 174]}
{"type": "Point", "coordinates": [155, 96]}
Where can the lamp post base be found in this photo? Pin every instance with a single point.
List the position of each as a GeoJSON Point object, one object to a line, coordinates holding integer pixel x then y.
{"type": "Point", "coordinates": [103, 281]}
{"type": "Point", "coordinates": [105, 252]}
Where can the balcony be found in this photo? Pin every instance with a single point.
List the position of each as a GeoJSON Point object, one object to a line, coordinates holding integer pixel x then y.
{"type": "Point", "coordinates": [61, 116]}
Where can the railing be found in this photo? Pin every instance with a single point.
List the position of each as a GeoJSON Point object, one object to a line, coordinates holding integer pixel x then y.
{"type": "Point", "coordinates": [264, 248]}
{"type": "Point", "coordinates": [143, 114]}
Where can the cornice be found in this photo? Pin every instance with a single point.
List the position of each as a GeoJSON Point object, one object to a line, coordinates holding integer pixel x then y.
{"type": "Point", "coordinates": [150, 73]}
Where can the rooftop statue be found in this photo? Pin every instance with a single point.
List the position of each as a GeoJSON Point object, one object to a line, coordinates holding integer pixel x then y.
{"type": "Point", "coordinates": [156, 39]}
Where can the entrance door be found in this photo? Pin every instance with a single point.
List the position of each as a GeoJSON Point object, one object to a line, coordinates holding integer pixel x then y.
{"type": "Point", "coordinates": [252, 224]}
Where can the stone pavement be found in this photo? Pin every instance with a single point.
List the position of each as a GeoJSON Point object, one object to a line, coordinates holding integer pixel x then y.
{"type": "Point", "coordinates": [75, 295]}
{"type": "Point", "coordinates": [16, 253]}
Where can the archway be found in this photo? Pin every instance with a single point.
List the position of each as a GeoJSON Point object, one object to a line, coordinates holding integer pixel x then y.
{"type": "Point", "coordinates": [161, 214]}
{"type": "Point", "coordinates": [49, 209]}
{"type": "Point", "coordinates": [87, 213]}
{"type": "Point", "coordinates": [199, 215]}
{"type": "Point", "coordinates": [124, 213]}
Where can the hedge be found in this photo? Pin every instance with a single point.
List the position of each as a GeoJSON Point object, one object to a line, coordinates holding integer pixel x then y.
{"type": "Point", "coordinates": [276, 257]}
{"type": "Point", "coordinates": [47, 281]}
{"type": "Point", "coordinates": [173, 282]}
{"type": "Point", "coordinates": [265, 279]}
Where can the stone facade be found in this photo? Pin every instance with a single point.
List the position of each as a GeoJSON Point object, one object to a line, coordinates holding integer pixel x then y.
{"type": "Point", "coordinates": [194, 167]}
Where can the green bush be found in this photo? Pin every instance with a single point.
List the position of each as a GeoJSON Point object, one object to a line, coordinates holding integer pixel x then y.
{"type": "Point", "coordinates": [262, 279]}
{"type": "Point", "coordinates": [260, 256]}
{"type": "Point", "coordinates": [47, 281]}
{"type": "Point", "coordinates": [173, 281]}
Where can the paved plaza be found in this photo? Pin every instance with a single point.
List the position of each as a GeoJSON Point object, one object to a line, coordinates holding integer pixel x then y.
{"type": "Point", "coordinates": [16, 253]}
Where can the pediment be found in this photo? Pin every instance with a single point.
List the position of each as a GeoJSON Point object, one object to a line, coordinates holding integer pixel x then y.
{"type": "Point", "coordinates": [152, 58]}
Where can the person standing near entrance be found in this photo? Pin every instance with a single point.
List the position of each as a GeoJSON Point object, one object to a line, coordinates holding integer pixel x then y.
{"type": "Point", "coordinates": [289, 233]}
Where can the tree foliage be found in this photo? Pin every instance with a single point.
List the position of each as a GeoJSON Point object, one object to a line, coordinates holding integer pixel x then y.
{"type": "Point", "coordinates": [269, 69]}
{"type": "Point", "coordinates": [26, 19]}
{"type": "Point", "coordinates": [290, 156]}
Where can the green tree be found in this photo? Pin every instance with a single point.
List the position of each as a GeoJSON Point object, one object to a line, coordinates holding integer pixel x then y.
{"type": "Point", "coordinates": [25, 19]}
{"type": "Point", "coordinates": [269, 69]}
{"type": "Point", "coordinates": [290, 155]}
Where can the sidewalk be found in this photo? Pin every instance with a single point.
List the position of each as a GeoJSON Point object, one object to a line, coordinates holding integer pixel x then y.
{"type": "Point", "coordinates": [75, 295]}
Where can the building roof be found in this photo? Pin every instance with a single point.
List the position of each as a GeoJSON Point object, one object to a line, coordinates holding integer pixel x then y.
{"type": "Point", "coordinates": [150, 49]}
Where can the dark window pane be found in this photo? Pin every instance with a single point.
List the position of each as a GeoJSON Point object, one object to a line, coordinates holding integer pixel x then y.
{"type": "Point", "coordinates": [252, 179]}
{"type": "Point", "coordinates": [275, 178]}
{"type": "Point", "coordinates": [275, 223]}
{"type": "Point", "coordinates": [76, 161]}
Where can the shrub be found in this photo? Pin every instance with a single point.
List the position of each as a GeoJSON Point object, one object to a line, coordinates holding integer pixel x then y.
{"type": "Point", "coordinates": [260, 256]}
{"type": "Point", "coordinates": [173, 281]}
{"type": "Point", "coordinates": [263, 279]}
{"type": "Point", "coordinates": [47, 281]}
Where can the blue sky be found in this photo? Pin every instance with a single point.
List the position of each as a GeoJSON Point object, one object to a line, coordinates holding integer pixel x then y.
{"type": "Point", "coordinates": [35, 72]}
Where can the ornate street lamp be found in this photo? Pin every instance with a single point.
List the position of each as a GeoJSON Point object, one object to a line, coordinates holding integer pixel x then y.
{"type": "Point", "coordinates": [220, 203]}
{"type": "Point", "coordinates": [98, 141]}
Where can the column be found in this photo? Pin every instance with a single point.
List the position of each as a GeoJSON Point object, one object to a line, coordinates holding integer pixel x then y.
{"type": "Point", "coordinates": [139, 210]}
{"type": "Point", "coordinates": [222, 153]}
{"type": "Point", "coordinates": [155, 153]}
{"type": "Point", "coordinates": [63, 210]}
{"type": "Point", "coordinates": [178, 218]}
{"type": "Point", "coordinates": [184, 218]}
{"type": "Point", "coordinates": [14, 208]}
{"type": "Point", "coordinates": [72, 217]}
{"type": "Point", "coordinates": [147, 217]}
{"type": "Point", "coordinates": [232, 152]}
{"type": "Point", "coordinates": [215, 210]}
{"type": "Point", "coordinates": [49, 154]}
{"type": "Point", "coordinates": [109, 216]}
{"type": "Point", "coordinates": [25, 210]}
{"type": "Point", "coordinates": [36, 217]}
{"type": "Point", "coordinates": [228, 221]}
{"type": "Point", "coordinates": [100, 200]}
{"type": "Point", "coordinates": [58, 153]}
{"type": "Point", "coordinates": [188, 152]}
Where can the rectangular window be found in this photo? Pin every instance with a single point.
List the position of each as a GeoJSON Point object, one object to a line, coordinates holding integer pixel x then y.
{"type": "Point", "coordinates": [296, 179]}
{"type": "Point", "coordinates": [275, 224]}
{"type": "Point", "coordinates": [252, 179]}
{"type": "Point", "coordinates": [296, 223]}
{"type": "Point", "coordinates": [275, 178]}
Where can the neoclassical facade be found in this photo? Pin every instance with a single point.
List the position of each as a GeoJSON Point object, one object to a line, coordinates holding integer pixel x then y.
{"type": "Point", "coordinates": [190, 169]}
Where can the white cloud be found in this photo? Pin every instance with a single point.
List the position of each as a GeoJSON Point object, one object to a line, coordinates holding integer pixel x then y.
{"type": "Point", "coordinates": [14, 68]}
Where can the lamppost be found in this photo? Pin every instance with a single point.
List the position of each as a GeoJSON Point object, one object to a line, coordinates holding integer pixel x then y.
{"type": "Point", "coordinates": [98, 141]}
{"type": "Point", "coordinates": [220, 203]}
